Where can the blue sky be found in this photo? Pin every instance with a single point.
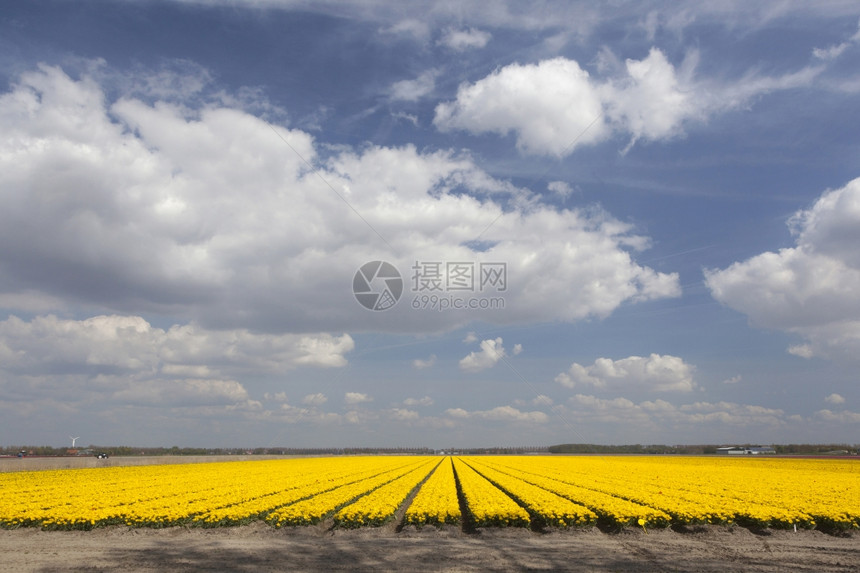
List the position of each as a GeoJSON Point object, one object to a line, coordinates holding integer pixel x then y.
{"type": "Point", "coordinates": [190, 188]}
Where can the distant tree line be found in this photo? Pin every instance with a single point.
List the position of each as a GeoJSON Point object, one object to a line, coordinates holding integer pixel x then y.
{"type": "Point", "coordinates": [808, 449]}
{"type": "Point", "coordinates": [177, 451]}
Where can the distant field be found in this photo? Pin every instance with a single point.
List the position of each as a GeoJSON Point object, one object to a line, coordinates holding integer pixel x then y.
{"type": "Point", "coordinates": [35, 463]}
{"type": "Point", "coordinates": [535, 492]}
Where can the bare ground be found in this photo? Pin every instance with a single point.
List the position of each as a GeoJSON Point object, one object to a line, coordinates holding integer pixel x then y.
{"type": "Point", "coordinates": [259, 547]}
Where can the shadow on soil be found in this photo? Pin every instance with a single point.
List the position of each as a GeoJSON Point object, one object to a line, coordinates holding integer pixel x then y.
{"type": "Point", "coordinates": [477, 553]}
{"type": "Point", "coordinates": [445, 549]}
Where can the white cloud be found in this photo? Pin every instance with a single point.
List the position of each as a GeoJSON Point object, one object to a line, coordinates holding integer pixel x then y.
{"type": "Point", "coordinates": [411, 118]}
{"type": "Point", "coordinates": [425, 401]}
{"type": "Point", "coordinates": [834, 399]}
{"type": "Point", "coordinates": [836, 50]}
{"type": "Point", "coordinates": [130, 343]}
{"type": "Point", "coordinates": [420, 364]}
{"type": "Point", "coordinates": [654, 373]}
{"type": "Point", "coordinates": [517, 349]}
{"type": "Point", "coordinates": [547, 105]}
{"type": "Point", "coordinates": [578, 19]}
{"type": "Point", "coordinates": [843, 417]}
{"type": "Point", "coordinates": [731, 413]}
{"type": "Point", "coordinates": [460, 40]}
{"type": "Point", "coordinates": [802, 350]}
{"type": "Point", "coordinates": [206, 215]}
{"type": "Point", "coordinates": [491, 352]}
{"type": "Point", "coordinates": [185, 392]}
{"type": "Point", "coordinates": [402, 414]}
{"type": "Point", "coordinates": [499, 414]}
{"type": "Point", "coordinates": [701, 419]}
{"type": "Point", "coordinates": [413, 90]}
{"type": "Point", "coordinates": [356, 398]}
{"type": "Point", "coordinates": [470, 338]}
{"type": "Point", "coordinates": [553, 107]}
{"type": "Point", "coordinates": [124, 361]}
{"type": "Point", "coordinates": [560, 188]}
{"type": "Point", "coordinates": [811, 289]}
{"type": "Point", "coordinates": [174, 79]}
{"type": "Point", "coordinates": [410, 28]}
{"type": "Point", "coordinates": [733, 380]}
{"type": "Point", "coordinates": [651, 102]}
{"type": "Point", "coordinates": [317, 399]}
{"type": "Point", "coordinates": [603, 404]}
{"type": "Point", "coordinates": [457, 413]}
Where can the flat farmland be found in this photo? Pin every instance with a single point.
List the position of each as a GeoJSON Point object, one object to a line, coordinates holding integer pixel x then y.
{"type": "Point", "coordinates": [38, 463]}
{"type": "Point", "coordinates": [630, 508]}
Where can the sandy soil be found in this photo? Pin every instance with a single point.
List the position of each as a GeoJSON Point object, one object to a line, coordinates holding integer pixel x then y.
{"type": "Point", "coordinates": [258, 547]}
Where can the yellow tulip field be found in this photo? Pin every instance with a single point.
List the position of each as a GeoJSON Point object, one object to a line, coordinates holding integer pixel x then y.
{"type": "Point", "coordinates": [475, 491]}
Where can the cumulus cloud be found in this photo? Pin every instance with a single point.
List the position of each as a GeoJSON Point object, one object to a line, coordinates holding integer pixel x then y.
{"type": "Point", "coordinates": [127, 362]}
{"type": "Point", "coordinates": [653, 373]}
{"type": "Point", "coordinates": [731, 413]}
{"type": "Point", "coordinates": [425, 401]}
{"type": "Point", "coordinates": [460, 40]}
{"type": "Point", "coordinates": [834, 399]}
{"type": "Point", "coordinates": [547, 105]}
{"type": "Point", "coordinates": [128, 206]}
{"type": "Point", "coordinates": [413, 90]}
{"type": "Point", "coordinates": [184, 392]}
{"type": "Point", "coordinates": [811, 289]}
{"type": "Point", "coordinates": [402, 414]}
{"type": "Point", "coordinates": [733, 380]}
{"type": "Point", "coordinates": [131, 344]}
{"type": "Point", "coordinates": [317, 399]}
{"type": "Point", "coordinates": [356, 398]}
{"type": "Point", "coordinates": [491, 352]}
{"type": "Point", "coordinates": [651, 102]}
{"type": "Point", "coordinates": [499, 414]}
{"type": "Point", "coordinates": [409, 28]}
{"type": "Point", "coordinates": [843, 417]}
{"type": "Point", "coordinates": [560, 188]}
{"type": "Point", "coordinates": [420, 364]}
{"type": "Point", "coordinates": [554, 106]}
{"type": "Point", "coordinates": [698, 417]}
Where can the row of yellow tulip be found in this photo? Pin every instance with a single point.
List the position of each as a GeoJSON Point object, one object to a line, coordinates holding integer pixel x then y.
{"type": "Point", "coordinates": [257, 499]}
{"type": "Point", "coordinates": [546, 507]}
{"type": "Point", "coordinates": [380, 505]}
{"type": "Point", "coordinates": [170, 494]}
{"type": "Point", "coordinates": [684, 505]}
{"type": "Point", "coordinates": [762, 492]}
{"type": "Point", "coordinates": [487, 504]}
{"type": "Point", "coordinates": [612, 510]}
{"type": "Point", "coordinates": [436, 502]}
{"type": "Point", "coordinates": [314, 509]}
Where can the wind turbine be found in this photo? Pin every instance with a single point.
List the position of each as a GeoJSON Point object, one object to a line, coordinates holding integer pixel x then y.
{"type": "Point", "coordinates": [74, 439]}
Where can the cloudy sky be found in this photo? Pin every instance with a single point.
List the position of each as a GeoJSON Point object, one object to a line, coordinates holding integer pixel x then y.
{"type": "Point", "coordinates": [628, 223]}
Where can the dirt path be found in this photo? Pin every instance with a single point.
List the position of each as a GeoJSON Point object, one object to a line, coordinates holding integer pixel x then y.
{"type": "Point", "coordinates": [259, 547]}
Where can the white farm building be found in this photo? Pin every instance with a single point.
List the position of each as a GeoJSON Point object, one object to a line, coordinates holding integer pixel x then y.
{"type": "Point", "coordinates": [741, 450]}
